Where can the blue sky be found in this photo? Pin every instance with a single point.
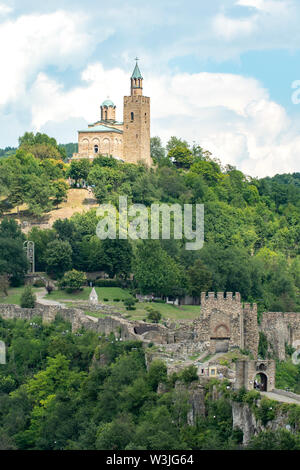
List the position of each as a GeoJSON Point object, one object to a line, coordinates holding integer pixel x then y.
{"type": "Point", "coordinates": [219, 73]}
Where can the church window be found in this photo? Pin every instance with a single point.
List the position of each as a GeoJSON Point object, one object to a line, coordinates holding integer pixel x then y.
{"type": "Point", "coordinates": [105, 115]}
{"type": "Point", "coordinates": [132, 116]}
{"type": "Point", "coordinates": [96, 149]}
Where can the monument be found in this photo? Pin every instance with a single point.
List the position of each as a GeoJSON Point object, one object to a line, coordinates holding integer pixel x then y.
{"type": "Point", "coordinates": [93, 297]}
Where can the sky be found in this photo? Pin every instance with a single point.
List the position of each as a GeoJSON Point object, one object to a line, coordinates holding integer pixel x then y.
{"type": "Point", "coordinates": [222, 74]}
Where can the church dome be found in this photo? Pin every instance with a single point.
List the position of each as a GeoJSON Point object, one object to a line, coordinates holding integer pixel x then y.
{"type": "Point", "coordinates": [108, 104]}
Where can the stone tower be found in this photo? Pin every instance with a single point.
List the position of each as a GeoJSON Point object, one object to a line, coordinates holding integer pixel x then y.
{"type": "Point", "coordinates": [136, 130]}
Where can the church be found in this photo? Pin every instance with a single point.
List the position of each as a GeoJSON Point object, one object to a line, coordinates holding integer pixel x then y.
{"type": "Point", "coordinates": [128, 141]}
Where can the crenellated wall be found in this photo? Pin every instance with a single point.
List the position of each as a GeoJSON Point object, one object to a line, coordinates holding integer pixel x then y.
{"type": "Point", "coordinates": [224, 322]}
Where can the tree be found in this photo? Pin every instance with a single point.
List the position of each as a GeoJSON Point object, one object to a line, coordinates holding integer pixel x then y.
{"type": "Point", "coordinates": [157, 373]}
{"type": "Point", "coordinates": [59, 190]}
{"type": "Point", "coordinates": [158, 152]}
{"type": "Point", "coordinates": [129, 303]}
{"type": "Point", "coordinates": [13, 260]}
{"type": "Point", "coordinates": [154, 316]}
{"type": "Point", "coordinates": [199, 279]}
{"type": "Point", "coordinates": [4, 283]}
{"type": "Point", "coordinates": [155, 271]}
{"type": "Point", "coordinates": [79, 169]}
{"type": "Point", "coordinates": [58, 257]}
{"type": "Point", "coordinates": [38, 194]}
{"type": "Point", "coordinates": [28, 298]}
{"type": "Point", "coordinates": [189, 374]}
{"type": "Point", "coordinates": [41, 146]}
{"type": "Point", "coordinates": [41, 239]}
{"type": "Point", "coordinates": [182, 156]}
{"type": "Point", "coordinates": [117, 257]}
{"type": "Point", "coordinates": [73, 280]}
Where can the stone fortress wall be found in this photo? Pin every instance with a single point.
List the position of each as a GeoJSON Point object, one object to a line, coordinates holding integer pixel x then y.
{"type": "Point", "coordinates": [223, 323]}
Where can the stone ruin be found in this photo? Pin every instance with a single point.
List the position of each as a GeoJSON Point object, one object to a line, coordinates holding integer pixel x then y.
{"type": "Point", "coordinates": [224, 325]}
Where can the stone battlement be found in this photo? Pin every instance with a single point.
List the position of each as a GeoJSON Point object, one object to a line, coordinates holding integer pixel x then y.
{"type": "Point", "coordinates": [220, 296]}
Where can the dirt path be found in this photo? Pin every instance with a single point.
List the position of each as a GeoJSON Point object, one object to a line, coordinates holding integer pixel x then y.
{"type": "Point", "coordinates": [40, 297]}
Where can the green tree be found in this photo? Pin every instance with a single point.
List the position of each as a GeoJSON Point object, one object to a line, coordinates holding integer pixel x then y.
{"type": "Point", "coordinates": [28, 298]}
{"type": "Point", "coordinates": [73, 280]}
{"type": "Point", "coordinates": [154, 316]}
{"type": "Point", "coordinates": [58, 257]}
{"type": "Point", "coordinates": [157, 373]}
{"type": "Point", "coordinates": [199, 279]}
{"type": "Point", "coordinates": [158, 152]}
{"type": "Point", "coordinates": [79, 169]}
{"type": "Point", "coordinates": [154, 270]}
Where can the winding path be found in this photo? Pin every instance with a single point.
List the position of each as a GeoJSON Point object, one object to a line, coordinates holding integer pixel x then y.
{"type": "Point", "coordinates": [40, 297]}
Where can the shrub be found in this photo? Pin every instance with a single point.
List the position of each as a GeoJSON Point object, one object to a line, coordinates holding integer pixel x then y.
{"type": "Point", "coordinates": [28, 298]}
{"type": "Point", "coordinates": [116, 300]}
{"type": "Point", "coordinates": [130, 303]}
{"type": "Point", "coordinates": [189, 374]}
{"type": "Point", "coordinates": [154, 316]}
{"type": "Point", "coordinates": [73, 280]}
{"type": "Point", "coordinates": [39, 283]}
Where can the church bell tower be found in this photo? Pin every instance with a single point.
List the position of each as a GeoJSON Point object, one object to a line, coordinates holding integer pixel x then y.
{"type": "Point", "coordinates": [136, 130]}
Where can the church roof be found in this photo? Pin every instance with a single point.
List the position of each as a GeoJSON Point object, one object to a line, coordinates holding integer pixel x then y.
{"type": "Point", "coordinates": [136, 73]}
{"type": "Point", "coordinates": [102, 128]}
{"type": "Point", "coordinates": [108, 103]}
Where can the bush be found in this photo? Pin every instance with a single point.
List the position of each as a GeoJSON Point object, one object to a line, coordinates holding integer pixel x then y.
{"type": "Point", "coordinates": [130, 303]}
{"type": "Point", "coordinates": [189, 374]}
{"type": "Point", "coordinates": [154, 316]}
{"type": "Point", "coordinates": [28, 298]}
{"type": "Point", "coordinates": [106, 300]}
{"type": "Point", "coordinates": [117, 300]}
{"type": "Point", "coordinates": [73, 281]}
{"type": "Point", "coordinates": [39, 283]}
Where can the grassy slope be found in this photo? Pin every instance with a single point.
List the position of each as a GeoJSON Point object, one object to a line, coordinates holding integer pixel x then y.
{"type": "Point", "coordinates": [14, 296]}
{"type": "Point", "coordinates": [111, 293]}
{"type": "Point", "coordinates": [79, 200]}
{"type": "Point", "coordinates": [188, 312]}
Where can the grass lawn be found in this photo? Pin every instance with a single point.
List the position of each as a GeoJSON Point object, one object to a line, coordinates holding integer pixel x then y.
{"type": "Point", "coordinates": [187, 312]}
{"type": "Point", "coordinates": [109, 293]}
{"type": "Point", "coordinates": [14, 295]}
{"type": "Point", "coordinates": [96, 314]}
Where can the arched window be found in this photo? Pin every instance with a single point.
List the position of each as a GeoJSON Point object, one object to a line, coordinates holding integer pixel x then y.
{"type": "Point", "coordinates": [96, 149]}
{"type": "Point", "coordinates": [132, 116]}
{"type": "Point", "coordinates": [105, 114]}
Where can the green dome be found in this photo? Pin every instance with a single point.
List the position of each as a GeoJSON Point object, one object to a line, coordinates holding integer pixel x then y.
{"type": "Point", "coordinates": [108, 103]}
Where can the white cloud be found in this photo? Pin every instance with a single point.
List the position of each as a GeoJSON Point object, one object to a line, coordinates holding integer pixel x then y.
{"type": "Point", "coordinates": [230, 115]}
{"type": "Point", "coordinates": [4, 9]}
{"type": "Point", "coordinates": [231, 28]}
{"type": "Point", "coordinates": [32, 42]}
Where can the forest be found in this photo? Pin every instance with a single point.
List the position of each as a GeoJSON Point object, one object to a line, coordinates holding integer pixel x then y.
{"type": "Point", "coordinates": [251, 225]}
{"type": "Point", "coordinates": [64, 391]}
